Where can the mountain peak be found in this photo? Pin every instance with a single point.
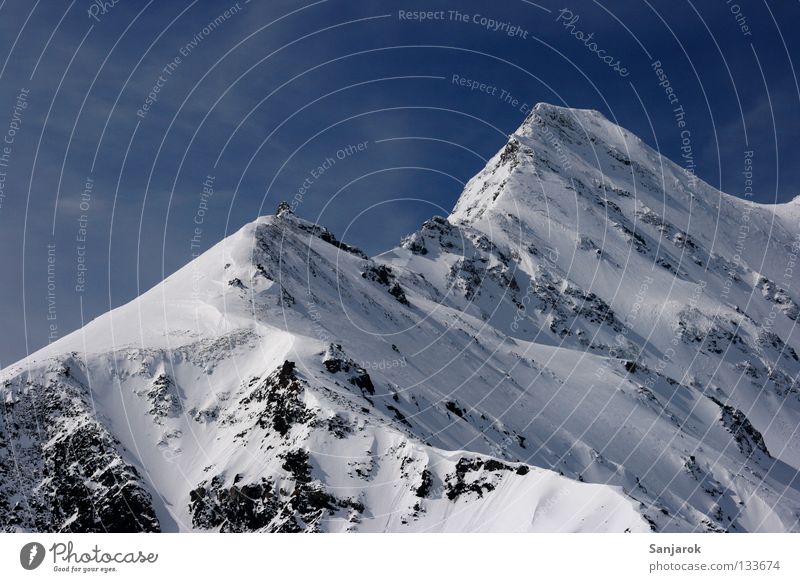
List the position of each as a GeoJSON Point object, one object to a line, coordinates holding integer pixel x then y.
{"type": "Point", "coordinates": [543, 108]}
{"type": "Point", "coordinates": [283, 208]}
{"type": "Point", "coordinates": [556, 148]}
{"type": "Point", "coordinates": [575, 126]}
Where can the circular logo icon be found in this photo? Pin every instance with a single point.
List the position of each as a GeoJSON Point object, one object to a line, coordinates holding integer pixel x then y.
{"type": "Point", "coordinates": [31, 555]}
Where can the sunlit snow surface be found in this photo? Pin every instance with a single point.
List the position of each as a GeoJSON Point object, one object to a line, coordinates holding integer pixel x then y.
{"type": "Point", "coordinates": [587, 343]}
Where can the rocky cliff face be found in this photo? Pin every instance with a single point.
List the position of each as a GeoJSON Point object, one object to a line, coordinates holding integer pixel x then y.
{"type": "Point", "coordinates": [591, 341]}
{"type": "Point", "coordinates": [61, 469]}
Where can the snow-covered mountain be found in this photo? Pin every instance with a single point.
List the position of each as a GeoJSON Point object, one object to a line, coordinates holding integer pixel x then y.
{"type": "Point", "coordinates": [593, 340]}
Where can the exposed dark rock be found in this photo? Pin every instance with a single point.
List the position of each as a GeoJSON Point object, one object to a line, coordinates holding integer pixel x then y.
{"type": "Point", "coordinates": [397, 292]}
{"type": "Point", "coordinates": [398, 415]}
{"type": "Point", "coordinates": [426, 482]}
{"type": "Point", "coordinates": [296, 463]}
{"type": "Point", "coordinates": [163, 397]}
{"type": "Point", "coordinates": [363, 381]}
{"type": "Point", "coordinates": [283, 208]}
{"type": "Point", "coordinates": [778, 296]}
{"type": "Point", "coordinates": [336, 361]}
{"type": "Point", "coordinates": [384, 276]}
{"type": "Point", "coordinates": [237, 508]}
{"type": "Point", "coordinates": [481, 475]}
{"type": "Point", "coordinates": [744, 433]}
{"type": "Point", "coordinates": [73, 471]}
{"type": "Point", "coordinates": [324, 234]}
{"type": "Point", "coordinates": [276, 401]}
{"type": "Point", "coordinates": [261, 507]}
{"type": "Point", "coordinates": [454, 408]}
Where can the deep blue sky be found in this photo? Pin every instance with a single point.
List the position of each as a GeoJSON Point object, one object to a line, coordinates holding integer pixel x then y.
{"type": "Point", "coordinates": [280, 86]}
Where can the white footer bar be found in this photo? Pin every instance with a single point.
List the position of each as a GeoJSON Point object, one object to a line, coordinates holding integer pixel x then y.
{"type": "Point", "coordinates": [406, 557]}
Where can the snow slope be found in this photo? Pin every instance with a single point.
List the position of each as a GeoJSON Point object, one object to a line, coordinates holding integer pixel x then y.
{"type": "Point", "coordinates": [593, 340]}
